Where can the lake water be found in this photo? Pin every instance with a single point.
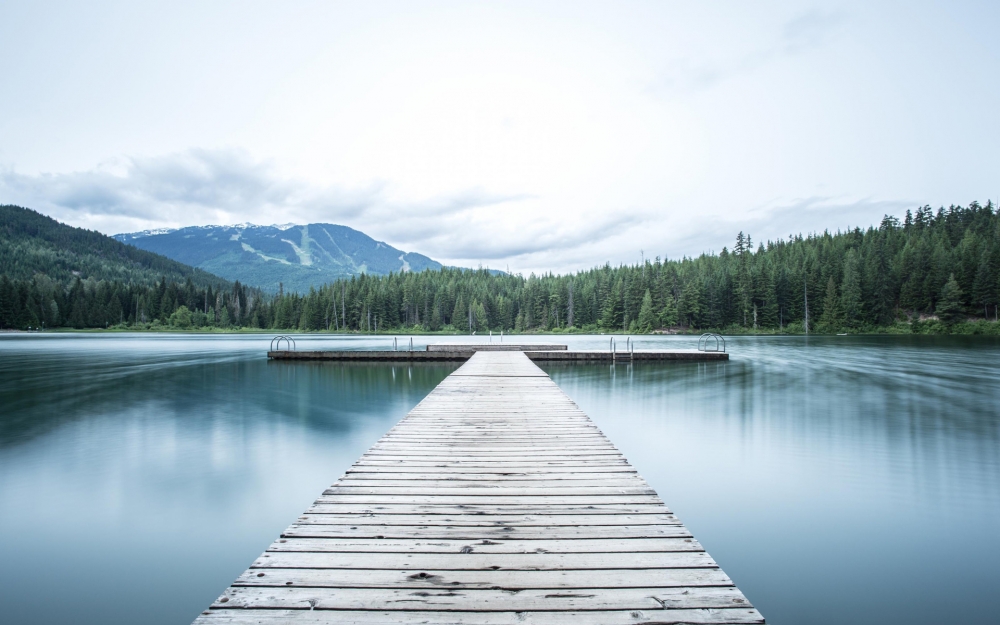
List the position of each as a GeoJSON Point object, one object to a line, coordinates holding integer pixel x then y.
{"type": "Point", "coordinates": [835, 479]}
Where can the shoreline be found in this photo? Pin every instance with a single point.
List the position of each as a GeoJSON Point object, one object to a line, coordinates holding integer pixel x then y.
{"type": "Point", "coordinates": [917, 328]}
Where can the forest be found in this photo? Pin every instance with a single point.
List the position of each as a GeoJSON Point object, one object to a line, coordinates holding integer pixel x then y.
{"type": "Point", "coordinates": [934, 271]}
{"type": "Point", "coordinates": [32, 244]}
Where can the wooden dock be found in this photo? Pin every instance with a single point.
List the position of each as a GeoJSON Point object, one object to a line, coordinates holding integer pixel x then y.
{"type": "Point", "coordinates": [543, 353]}
{"type": "Point", "coordinates": [495, 501]}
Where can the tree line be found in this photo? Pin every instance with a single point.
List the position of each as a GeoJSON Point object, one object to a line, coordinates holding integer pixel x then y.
{"type": "Point", "coordinates": [932, 271]}
{"type": "Point", "coordinates": [42, 303]}
{"type": "Point", "coordinates": [932, 268]}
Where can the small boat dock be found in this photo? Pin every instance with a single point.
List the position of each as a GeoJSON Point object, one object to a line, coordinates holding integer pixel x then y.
{"type": "Point", "coordinates": [495, 501]}
{"type": "Point", "coordinates": [462, 352]}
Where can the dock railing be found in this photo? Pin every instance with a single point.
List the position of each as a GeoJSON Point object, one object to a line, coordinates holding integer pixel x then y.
{"type": "Point", "coordinates": [276, 343]}
{"type": "Point", "coordinates": [395, 344]}
{"type": "Point", "coordinates": [711, 342]}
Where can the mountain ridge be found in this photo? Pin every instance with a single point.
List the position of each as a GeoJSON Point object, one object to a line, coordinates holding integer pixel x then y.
{"type": "Point", "coordinates": [32, 243]}
{"type": "Point", "coordinates": [290, 257]}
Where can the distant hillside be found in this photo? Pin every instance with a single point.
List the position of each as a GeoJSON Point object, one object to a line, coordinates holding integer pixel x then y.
{"type": "Point", "coordinates": [31, 243]}
{"type": "Point", "coordinates": [264, 256]}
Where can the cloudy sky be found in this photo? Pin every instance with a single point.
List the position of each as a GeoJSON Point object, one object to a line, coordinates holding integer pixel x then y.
{"type": "Point", "coordinates": [539, 136]}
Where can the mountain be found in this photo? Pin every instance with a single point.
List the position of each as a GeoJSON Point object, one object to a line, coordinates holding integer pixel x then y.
{"type": "Point", "coordinates": [32, 243]}
{"type": "Point", "coordinates": [265, 256]}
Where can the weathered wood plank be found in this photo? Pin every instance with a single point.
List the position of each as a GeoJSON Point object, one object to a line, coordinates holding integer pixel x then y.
{"type": "Point", "coordinates": [492, 454]}
{"type": "Point", "coordinates": [489, 491]}
{"type": "Point", "coordinates": [435, 532]}
{"type": "Point", "coordinates": [706, 616]}
{"type": "Point", "coordinates": [508, 500]}
{"type": "Point", "coordinates": [497, 474]}
{"type": "Point", "coordinates": [459, 580]}
{"type": "Point", "coordinates": [486, 509]}
{"type": "Point", "coordinates": [423, 545]}
{"type": "Point", "coordinates": [488, 446]}
{"type": "Point", "coordinates": [653, 561]}
{"type": "Point", "coordinates": [588, 464]}
{"type": "Point", "coordinates": [321, 515]}
{"type": "Point", "coordinates": [444, 598]}
{"type": "Point", "coordinates": [608, 484]}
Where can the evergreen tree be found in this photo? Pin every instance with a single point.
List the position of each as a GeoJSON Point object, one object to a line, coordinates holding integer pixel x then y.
{"type": "Point", "coordinates": [459, 317]}
{"type": "Point", "coordinates": [479, 319]}
{"type": "Point", "coordinates": [850, 291]}
{"type": "Point", "coordinates": [668, 314]}
{"type": "Point", "coordinates": [647, 318]}
{"type": "Point", "coordinates": [949, 305]}
{"type": "Point", "coordinates": [690, 307]}
{"type": "Point", "coordinates": [985, 284]}
{"type": "Point", "coordinates": [831, 318]}
{"type": "Point", "coordinates": [613, 315]}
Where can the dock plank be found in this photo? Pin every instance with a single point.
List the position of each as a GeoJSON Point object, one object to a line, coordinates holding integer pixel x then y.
{"type": "Point", "coordinates": [484, 562]}
{"type": "Point", "coordinates": [705, 616]}
{"type": "Point", "coordinates": [495, 501]}
{"type": "Point", "coordinates": [509, 545]}
{"type": "Point", "coordinates": [681, 595]}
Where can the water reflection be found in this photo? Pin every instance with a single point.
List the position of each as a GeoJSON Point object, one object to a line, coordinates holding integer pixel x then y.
{"type": "Point", "coordinates": [836, 479]}
{"type": "Point", "coordinates": [141, 476]}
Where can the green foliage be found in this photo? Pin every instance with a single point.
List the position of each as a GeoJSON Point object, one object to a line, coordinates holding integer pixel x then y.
{"type": "Point", "coordinates": [949, 306]}
{"type": "Point", "coordinates": [851, 296]}
{"type": "Point", "coordinates": [31, 243]}
{"type": "Point", "coordinates": [860, 280]}
{"type": "Point", "coordinates": [181, 318]}
{"type": "Point", "coordinates": [831, 319]}
{"type": "Point", "coordinates": [647, 319]}
{"type": "Point", "coordinates": [45, 303]}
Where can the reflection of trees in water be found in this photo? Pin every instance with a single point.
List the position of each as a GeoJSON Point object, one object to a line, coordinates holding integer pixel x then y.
{"type": "Point", "coordinates": [41, 393]}
{"type": "Point", "coordinates": [926, 395]}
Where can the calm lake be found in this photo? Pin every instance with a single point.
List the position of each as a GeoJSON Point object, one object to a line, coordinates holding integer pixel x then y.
{"type": "Point", "coordinates": [835, 479]}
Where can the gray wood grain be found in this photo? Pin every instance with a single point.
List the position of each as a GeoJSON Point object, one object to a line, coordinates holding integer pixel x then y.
{"type": "Point", "coordinates": [495, 501]}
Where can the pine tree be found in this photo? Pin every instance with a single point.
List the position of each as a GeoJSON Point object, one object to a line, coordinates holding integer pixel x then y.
{"type": "Point", "coordinates": [668, 315]}
{"type": "Point", "coordinates": [647, 319]}
{"type": "Point", "coordinates": [459, 316]}
{"type": "Point", "coordinates": [613, 315]}
{"type": "Point", "coordinates": [830, 320]}
{"type": "Point", "coordinates": [744, 277]}
{"type": "Point", "coordinates": [78, 306]}
{"type": "Point", "coordinates": [479, 320]}
{"type": "Point", "coordinates": [850, 291]}
{"type": "Point", "coordinates": [691, 306]}
{"type": "Point", "coordinates": [949, 305]}
{"type": "Point", "coordinates": [984, 286]}
{"type": "Point", "coordinates": [8, 294]}
{"type": "Point", "coordinates": [436, 320]}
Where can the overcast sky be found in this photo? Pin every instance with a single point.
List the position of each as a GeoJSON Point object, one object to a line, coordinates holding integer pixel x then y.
{"type": "Point", "coordinates": [539, 136]}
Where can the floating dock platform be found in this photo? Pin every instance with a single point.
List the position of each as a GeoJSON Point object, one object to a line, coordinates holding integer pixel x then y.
{"type": "Point", "coordinates": [537, 352]}
{"type": "Point", "coordinates": [495, 501]}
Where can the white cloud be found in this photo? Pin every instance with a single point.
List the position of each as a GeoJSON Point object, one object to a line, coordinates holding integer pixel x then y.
{"type": "Point", "coordinates": [547, 136]}
{"type": "Point", "coordinates": [195, 187]}
{"type": "Point", "coordinates": [202, 187]}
